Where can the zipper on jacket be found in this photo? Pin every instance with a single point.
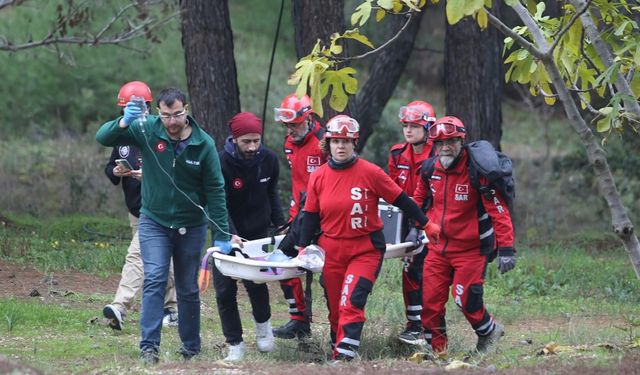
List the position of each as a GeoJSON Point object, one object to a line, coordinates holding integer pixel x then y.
{"type": "Point", "coordinates": [444, 209]}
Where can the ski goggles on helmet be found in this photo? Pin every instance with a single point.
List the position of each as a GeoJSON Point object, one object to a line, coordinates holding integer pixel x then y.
{"type": "Point", "coordinates": [289, 115]}
{"type": "Point", "coordinates": [445, 130]}
{"type": "Point", "coordinates": [343, 127]}
{"type": "Point", "coordinates": [408, 114]}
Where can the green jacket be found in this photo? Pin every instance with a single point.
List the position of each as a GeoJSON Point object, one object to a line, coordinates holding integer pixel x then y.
{"type": "Point", "coordinates": [196, 172]}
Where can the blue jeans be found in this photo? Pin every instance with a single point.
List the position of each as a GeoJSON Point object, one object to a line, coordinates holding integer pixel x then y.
{"type": "Point", "coordinates": [157, 245]}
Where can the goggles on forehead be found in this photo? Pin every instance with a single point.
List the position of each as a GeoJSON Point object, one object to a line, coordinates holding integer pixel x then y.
{"type": "Point", "coordinates": [288, 115]}
{"type": "Point", "coordinates": [343, 125]}
{"type": "Point", "coordinates": [408, 114]}
{"type": "Point", "coordinates": [445, 129]}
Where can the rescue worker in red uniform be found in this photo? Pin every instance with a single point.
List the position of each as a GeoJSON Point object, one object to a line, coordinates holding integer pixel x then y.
{"type": "Point", "coordinates": [301, 148]}
{"type": "Point", "coordinates": [405, 160]}
{"type": "Point", "coordinates": [472, 226]}
{"type": "Point", "coordinates": [342, 201]}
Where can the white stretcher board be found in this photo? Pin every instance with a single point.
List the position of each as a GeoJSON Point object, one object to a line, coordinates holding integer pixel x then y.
{"type": "Point", "coordinates": [259, 270]}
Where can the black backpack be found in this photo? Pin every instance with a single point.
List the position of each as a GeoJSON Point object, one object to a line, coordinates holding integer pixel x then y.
{"type": "Point", "coordinates": [485, 161]}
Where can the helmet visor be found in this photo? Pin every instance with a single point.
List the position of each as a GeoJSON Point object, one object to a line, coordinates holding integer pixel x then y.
{"type": "Point", "coordinates": [284, 114]}
{"type": "Point", "coordinates": [444, 129]}
{"type": "Point", "coordinates": [408, 114]}
{"type": "Point", "coordinates": [343, 125]}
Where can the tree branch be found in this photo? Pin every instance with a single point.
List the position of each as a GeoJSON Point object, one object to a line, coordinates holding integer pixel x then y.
{"type": "Point", "coordinates": [498, 24]}
{"type": "Point", "coordinates": [566, 27]}
{"type": "Point", "coordinates": [376, 50]}
{"type": "Point", "coordinates": [8, 3]}
{"type": "Point", "coordinates": [119, 37]}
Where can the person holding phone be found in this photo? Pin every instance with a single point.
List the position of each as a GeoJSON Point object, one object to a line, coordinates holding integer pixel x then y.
{"type": "Point", "coordinates": [124, 168]}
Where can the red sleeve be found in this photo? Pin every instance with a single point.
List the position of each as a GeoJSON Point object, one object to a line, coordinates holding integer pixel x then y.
{"type": "Point", "coordinates": [497, 209]}
{"type": "Point", "coordinates": [393, 171]}
{"type": "Point", "coordinates": [385, 187]}
{"type": "Point", "coordinates": [422, 192]}
{"type": "Point", "coordinates": [312, 204]}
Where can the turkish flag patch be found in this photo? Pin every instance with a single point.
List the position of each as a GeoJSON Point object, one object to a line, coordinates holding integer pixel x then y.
{"type": "Point", "coordinates": [237, 184]}
{"type": "Point", "coordinates": [161, 146]}
{"type": "Point", "coordinates": [462, 189]}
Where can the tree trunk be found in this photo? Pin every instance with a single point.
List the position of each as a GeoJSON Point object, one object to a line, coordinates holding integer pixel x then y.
{"type": "Point", "coordinates": [313, 20]}
{"type": "Point", "coordinates": [386, 70]}
{"type": "Point", "coordinates": [474, 78]}
{"type": "Point", "coordinates": [622, 225]}
{"type": "Point", "coordinates": [211, 68]}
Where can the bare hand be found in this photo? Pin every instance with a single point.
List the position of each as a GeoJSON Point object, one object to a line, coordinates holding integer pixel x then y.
{"type": "Point", "coordinates": [236, 240]}
{"type": "Point", "coordinates": [119, 171]}
{"type": "Point", "coordinates": [137, 174]}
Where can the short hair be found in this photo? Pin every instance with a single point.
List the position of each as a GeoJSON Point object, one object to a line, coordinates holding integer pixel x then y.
{"type": "Point", "coordinates": [170, 95]}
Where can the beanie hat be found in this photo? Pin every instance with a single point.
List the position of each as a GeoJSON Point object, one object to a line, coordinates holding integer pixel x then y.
{"type": "Point", "coordinates": [245, 123]}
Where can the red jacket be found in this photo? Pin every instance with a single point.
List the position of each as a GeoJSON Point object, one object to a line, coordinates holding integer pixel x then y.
{"type": "Point", "coordinates": [465, 224]}
{"type": "Point", "coordinates": [347, 199]}
{"type": "Point", "coordinates": [303, 159]}
{"type": "Point", "coordinates": [404, 165]}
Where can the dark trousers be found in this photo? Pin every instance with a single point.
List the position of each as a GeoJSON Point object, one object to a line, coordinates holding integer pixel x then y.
{"type": "Point", "coordinates": [226, 293]}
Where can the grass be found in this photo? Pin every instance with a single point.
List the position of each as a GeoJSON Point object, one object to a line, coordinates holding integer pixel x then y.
{"type": "Point", "coordinates": [574, 293]}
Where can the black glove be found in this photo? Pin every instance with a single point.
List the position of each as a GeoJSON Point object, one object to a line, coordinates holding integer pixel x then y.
{"type": "Point", "coordinates": [413, 236]}
{"type": "Point", "coordinates": [506, 259]}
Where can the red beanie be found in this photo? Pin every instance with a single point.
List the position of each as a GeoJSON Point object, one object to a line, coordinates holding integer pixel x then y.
{"type": "Point", "coordinates": [245, 123]}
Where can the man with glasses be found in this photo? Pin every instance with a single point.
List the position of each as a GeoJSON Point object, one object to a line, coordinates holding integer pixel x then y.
{"type": "Point", "coordinates": [472, 226]}
{"type": "Point", "coordinates": [182, 193]}
{"type": "Point", "coordinates": [405, 160]}
{"type": "Point", "coordinates": [132, 275]}
{"type": "Point", "coordinates": [301, 148]}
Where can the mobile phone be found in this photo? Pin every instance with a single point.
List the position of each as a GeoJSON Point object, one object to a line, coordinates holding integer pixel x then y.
{"type": "Point", "coordinates": [124, 163]}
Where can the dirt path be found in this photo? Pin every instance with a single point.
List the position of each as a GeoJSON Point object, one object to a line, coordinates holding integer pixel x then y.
{"type": "Point", "coordinates": [23, 281]}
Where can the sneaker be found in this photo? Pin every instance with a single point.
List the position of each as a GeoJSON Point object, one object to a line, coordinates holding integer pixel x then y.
{"type": "Point", "coordinates": [293, 328]}
{"type": "Point", "coordinates": [412, 336]}
{"type": "Point", "coordinates": [170, 319]}
{"type": "Point", "coordinates": [264, 337]}
{"type": "Point", "coordinates": [487, 344]}
{"type": "Point", "coordinates": [115, 316]}
{"type": "Point", "coordinates": [186, 353]}
{"type": "Point", "coordinates": [149, 357]}
{"type": "Point", "coordinates": [236, 353]}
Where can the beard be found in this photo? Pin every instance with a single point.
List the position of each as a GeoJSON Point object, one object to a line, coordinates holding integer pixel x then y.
{"type": "Point", "coordinates": [446, 161]}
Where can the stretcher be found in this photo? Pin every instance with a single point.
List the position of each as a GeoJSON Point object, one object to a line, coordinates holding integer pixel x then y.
{"type": "Point", "coordinates": [255, 261]}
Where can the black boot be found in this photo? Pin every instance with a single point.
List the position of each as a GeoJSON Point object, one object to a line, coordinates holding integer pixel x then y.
{"type": "Point", "coordinates": [293, 328]}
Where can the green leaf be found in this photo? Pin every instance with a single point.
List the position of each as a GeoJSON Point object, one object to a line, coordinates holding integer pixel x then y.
{"type": "Point", "coordinates": [412, 4]}
{"type": "Point", "coordinates": [362, 13]}
{"type": "Point", "coordinates": [511, 3]}
{"type": "Point", "coordinates": [385, 4]}
{"type": "Point", "coordinates": [458, 9]}
{"type": "Point", "coordinates": [355, 34]}
{"type": "Point", "coordinates": [380, 13]}
{"type": "Point", "coordinates": [603, 125]}
{"type": "Point", "coordinates": [340, 83]}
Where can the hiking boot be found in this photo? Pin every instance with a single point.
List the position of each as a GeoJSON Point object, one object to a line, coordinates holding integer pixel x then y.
{"type": "Point", "coordinates": [236, 353]}
{"type": "Point", "coordinates": [186, 353]}
{"type": "Point", "coordinates": [412, 336]}
{"type": "Point", "coordinates": [488, 344]}
{"type": "Point", "coordinates": [115, 316]}
{"type": "Point", "coordinates": [293, 328]}
{"type": "Point", "coordinates": [170, 318]}
{"type": "Point", "coordinates": [149, 357]}
{"type": "Point", "coordinates": [264, 337]}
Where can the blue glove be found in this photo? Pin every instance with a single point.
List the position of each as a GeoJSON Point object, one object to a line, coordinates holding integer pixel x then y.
{"type": "Point", "coordinates": [506, 259]}
{"type": "Point", "coordinates": [131, 112]}
{"type": "Point", "coordinates": [225, 246]}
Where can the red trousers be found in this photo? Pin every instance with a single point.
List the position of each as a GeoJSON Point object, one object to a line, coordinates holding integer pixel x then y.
{"type": "Point", "coordinates": [465, 271]}
{"type": "Point", "coordinates": [294, 294]}
{"type": "Point", "coordinates": [351, 268]}
{"type": "Point", "coordinates": [412, 287]}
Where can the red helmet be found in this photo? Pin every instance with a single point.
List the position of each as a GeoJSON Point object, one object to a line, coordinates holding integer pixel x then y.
{"type": "Point", "coordinates": [137, 88]}
{"type": "Point", "coordinates": [447, 127]}
{"type": "Point", "coordinates": [342, 126]}
{"type": "Point", "coordinates": [293, 109]}
{"type": "Point", "coordinates": [418, 112]}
